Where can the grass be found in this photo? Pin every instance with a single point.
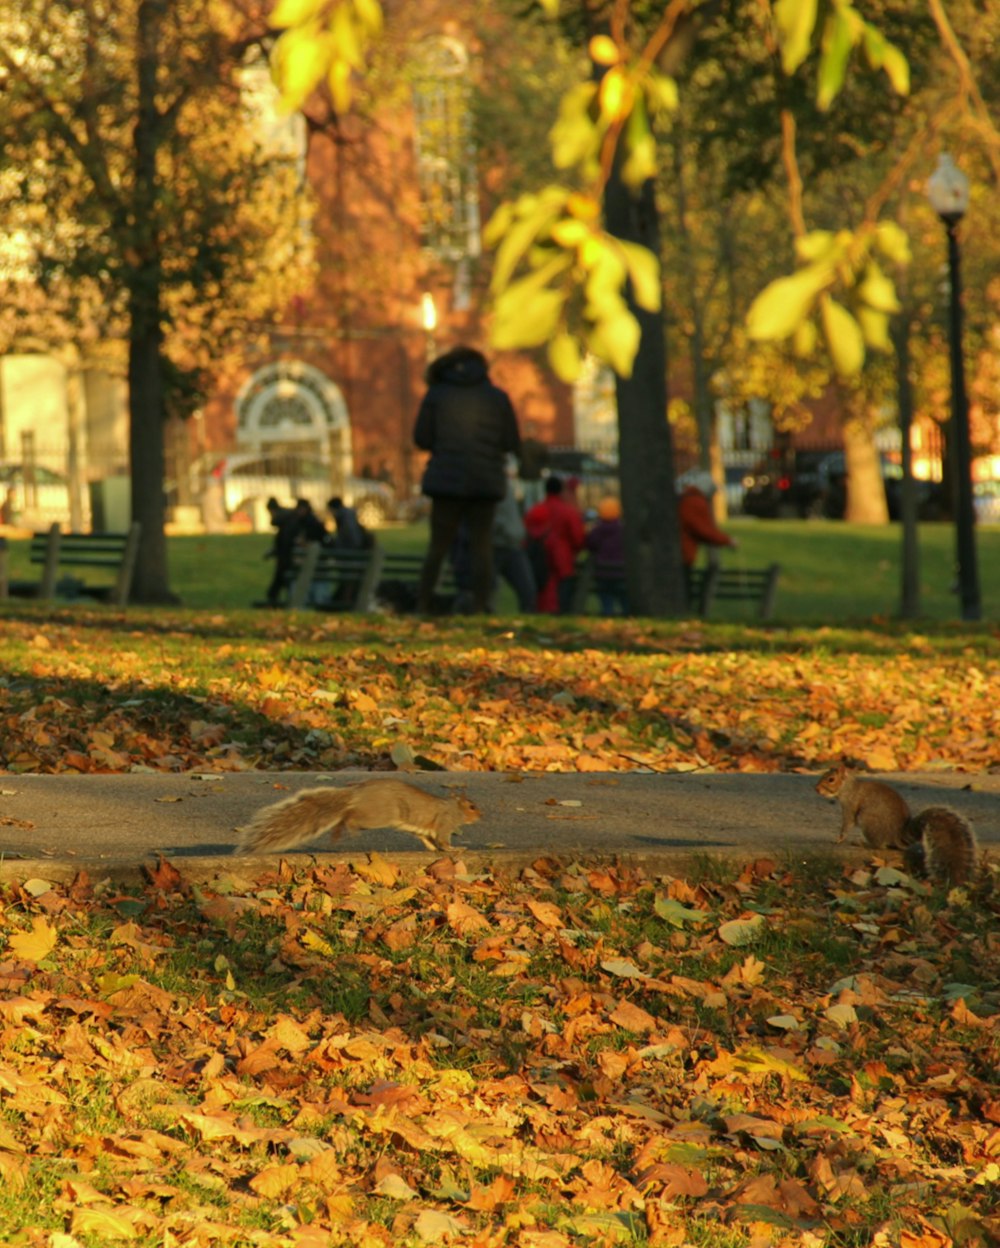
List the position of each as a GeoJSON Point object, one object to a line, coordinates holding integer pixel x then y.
{"type": "Point", "coordinates": [832, 573]}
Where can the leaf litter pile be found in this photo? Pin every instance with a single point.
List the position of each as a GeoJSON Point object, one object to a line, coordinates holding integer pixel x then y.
{"type": "Point", "coordinates": [92, 693]}
{"type": "Point", "coordinates": [568, 1054]}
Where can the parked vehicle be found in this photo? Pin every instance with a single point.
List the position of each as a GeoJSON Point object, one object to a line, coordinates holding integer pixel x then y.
{"type": "Point", "coordinates": [249, 479]}
{"type": "Point", "coordinates": [786, 484]}
{"type": "Point", "coordinates": [811, 483]}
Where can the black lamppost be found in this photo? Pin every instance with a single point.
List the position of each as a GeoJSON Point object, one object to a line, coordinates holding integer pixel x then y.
{"type": "Point", "coordinates": [948, 192]}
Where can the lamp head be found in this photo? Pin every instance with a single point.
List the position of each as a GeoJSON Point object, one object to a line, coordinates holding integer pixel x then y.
{"type": "Point", "coordinates": [948, 190]}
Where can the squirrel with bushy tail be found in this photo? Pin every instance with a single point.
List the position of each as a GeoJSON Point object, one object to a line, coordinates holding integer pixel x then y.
{"type": "Point", "coordinates": [937, 842]}
{"type": "Point", "coordinates": [376, 803]}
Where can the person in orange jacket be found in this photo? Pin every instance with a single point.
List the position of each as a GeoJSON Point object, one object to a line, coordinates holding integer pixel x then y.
{"type": "Point", "coordinates": [558, 525]}
{"type": "Point", "coordinates": [694, 509]}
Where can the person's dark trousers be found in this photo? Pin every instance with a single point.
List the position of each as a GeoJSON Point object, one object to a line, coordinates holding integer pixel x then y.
{"type": "Point", "coordinates": [566, 592]}
{"type": "Point", "coordinates": [512, 564]}
{"type": "Point", "coordinates": [446, 516]}
{"type": "Point", "coordinates": [611, 594]}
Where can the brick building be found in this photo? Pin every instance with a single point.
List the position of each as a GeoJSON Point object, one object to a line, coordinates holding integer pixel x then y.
{"type": "Point", "coordinates": [400, 277]}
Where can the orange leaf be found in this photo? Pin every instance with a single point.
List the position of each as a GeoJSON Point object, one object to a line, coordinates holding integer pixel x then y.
{"type": "Point", "coordinates": [275, 1181]}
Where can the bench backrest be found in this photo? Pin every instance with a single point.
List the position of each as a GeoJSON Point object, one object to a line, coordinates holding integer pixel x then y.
{"type": "Point", "coordinates": [118, 551]}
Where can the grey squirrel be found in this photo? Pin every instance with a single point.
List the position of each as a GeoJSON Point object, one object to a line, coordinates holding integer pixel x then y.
{"type": "Point", "coordinates": [377, 803]}
{"type": "Point", "coordinates": [937, 842]}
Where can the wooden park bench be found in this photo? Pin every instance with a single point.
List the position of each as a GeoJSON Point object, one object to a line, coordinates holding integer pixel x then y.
{"type": "Point", "coordinates": [709, 585]}
{"type": "Point", "coordinates": [715, 583]}
{"type": "Point", "coordinates": [54, 551]}
{"type": "Point", "coordinates": [331, 579]}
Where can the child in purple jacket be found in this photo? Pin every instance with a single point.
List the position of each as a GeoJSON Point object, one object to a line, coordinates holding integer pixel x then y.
{"type": "Point", "coordinates": [606, 543]}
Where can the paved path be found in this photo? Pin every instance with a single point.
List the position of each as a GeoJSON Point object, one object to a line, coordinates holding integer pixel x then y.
{"type": "Point", "coordinates": [120, 822]}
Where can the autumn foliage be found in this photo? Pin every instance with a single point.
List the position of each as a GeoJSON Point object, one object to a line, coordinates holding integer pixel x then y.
{"type": "Point", "coordinates": [90, 693]}
{"type": "Point", "coordinates": [572, 1054]}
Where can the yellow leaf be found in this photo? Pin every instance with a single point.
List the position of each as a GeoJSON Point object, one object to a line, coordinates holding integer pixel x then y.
{"type": "Point", "coordinates": [796, 20]}
{"type": "Point", "coordinates": [877, 290]}
{"type": "Point", "coordinates": [565, 358]}
{"type": "Point", "coordinates": [615, 339]}
{"type": "Point", "coordinates": [892, 242]}
{"type": "Point", "coordinates": [615, 95]}
{"type": "Point", "coordinates": [742, 931]}
{"type": "Point", "coordinates": [37, 944]}
{"type": "Point", "coordinates": [312, 940]}
{"type": "Point", "coordinates": [526, 316]}
{"type": "Point", "coordinates": [844, 339]}
{"type": "Point", "coordinates": [816, 245]}
{"type": "Point", "coordinates": [586, 207]}
{"type": "Point", "coordinates": [570, 232]}
{"type": "Point", "coordinates": [784, 304]}
{"type": "Point", "coordinates": [804, 339]}
{"type": "Point", "coordinates": [662, 92]}
{"type": "Point", "coordinates": [294, 12]}
{"type": "Point", "coordinates": [875, 327]}
{"type": "Point", "coordinates": [123, 1222]}
{"type": "Point", "coordinates": [640, 163]}
{"type": "Point", "coordinates": [370, 16]}
{"type": "Point", "coordinates": [897, 68]}
{"type": "Point", "coordinates": [603, 50]}
{"type": "Point", "coordinates": [574, 136]}
{"type": "Point", "coordinates": [623, 968]}
{"type": "Point", "coordinates": [301, 57]}
{"type": "Point", "coordinates": [644, 272]}
{"type": "Point", "coordinates": [339, 81]}
{"type": "Point", "coordinates": [347, 46]}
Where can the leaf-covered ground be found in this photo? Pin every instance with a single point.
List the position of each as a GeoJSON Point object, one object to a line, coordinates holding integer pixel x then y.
{"type": "Point", "coordinates": [572, 1055]}
{"type": "Point", "coordinates": [89, 692]}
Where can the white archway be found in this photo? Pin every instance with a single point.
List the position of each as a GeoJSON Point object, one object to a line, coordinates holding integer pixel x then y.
{"type": "Point", "coordinates": [292, 408]}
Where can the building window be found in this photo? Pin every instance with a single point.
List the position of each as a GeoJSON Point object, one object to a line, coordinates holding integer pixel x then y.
{"type": "Point", "coordinates": [445, 148]}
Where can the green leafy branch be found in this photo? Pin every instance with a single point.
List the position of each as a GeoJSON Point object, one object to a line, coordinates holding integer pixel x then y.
{"type": "Point", "coordinates": [322, 40]}
{"type": "Point", "coordinates": [785, 310]}
{"type": "Point", "coordinates": [798, 307]}
{"type": "Point", "coordinates": [559, 277]}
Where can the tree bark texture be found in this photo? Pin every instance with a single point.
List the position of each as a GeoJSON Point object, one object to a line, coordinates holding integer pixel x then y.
{"type": "Point", "coordinates": [147, 408]}
{"type": "Point", "coordinates": [645, 445]}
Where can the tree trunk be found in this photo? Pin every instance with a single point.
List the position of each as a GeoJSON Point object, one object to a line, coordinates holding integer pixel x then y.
{"type": "Point", "coordinates": [145, 388]}
{"type": "Point", "coordinates": [645, 446]}
{"type": "Point", "coordinates": [865, 490]}
{"type": "Point", "coordinates": [147, 409]}
{"type": "Point", "coordinates": [909, 600]}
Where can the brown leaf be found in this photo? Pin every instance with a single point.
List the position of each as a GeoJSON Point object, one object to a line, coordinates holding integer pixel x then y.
{"type": "Point", "coordinates": [633, 1018]}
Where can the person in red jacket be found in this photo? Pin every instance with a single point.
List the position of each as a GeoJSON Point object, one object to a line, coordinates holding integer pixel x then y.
{"type": "Point", "coordinates": [558, 525]}
{"type": "Point", "coordinates": [698, 527]}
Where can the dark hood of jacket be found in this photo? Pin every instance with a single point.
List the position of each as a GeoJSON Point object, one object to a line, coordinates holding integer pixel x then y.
{"type": "Point", "coordinates": [462, 366]}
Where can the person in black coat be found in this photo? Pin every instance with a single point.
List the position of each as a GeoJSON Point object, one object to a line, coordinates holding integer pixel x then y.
{"type": "Point", "coordinates": [469, 427]}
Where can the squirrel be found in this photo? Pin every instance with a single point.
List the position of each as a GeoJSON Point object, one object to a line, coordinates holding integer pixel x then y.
{"type": "Point", "coordinates": [378, 803]}
{"type": "Point", "coordinates": [937, 842]}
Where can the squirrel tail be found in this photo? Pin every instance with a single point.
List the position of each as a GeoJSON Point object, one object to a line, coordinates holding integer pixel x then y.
{"type": "Point", "coordinates": [944, 847]}
{"type": "Point", "coordinates": [295, 820]}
